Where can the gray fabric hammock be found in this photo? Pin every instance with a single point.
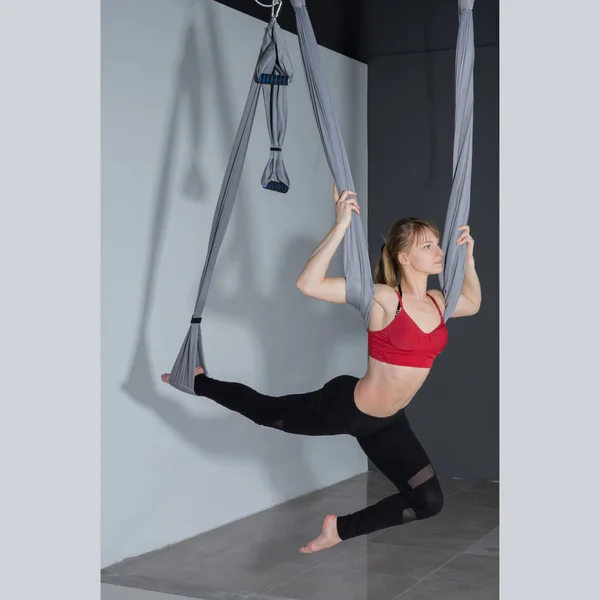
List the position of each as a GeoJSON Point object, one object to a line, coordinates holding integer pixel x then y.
{"type": "Point", "coordinates": [452, 275]}
{"type": "Point", "coordinates": [273, 73]}
{"type": "Point", "coordinates": [357, 269]}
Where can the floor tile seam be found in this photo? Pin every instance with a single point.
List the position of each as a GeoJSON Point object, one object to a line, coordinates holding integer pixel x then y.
{"type": "Point", "coordinates": [476, 585]}
{"type": "Point", "coordinates": [449, 580]}
{"type": "Point", "coordinates": [464, 552]}
{"type": "Point", "coordinates": [484, 481]}
{"type": "Point", "coordinates": [332, 558]}
{"type": "Point", "coordinates": [217, 554]}
{"type": "Point", "coordinates": [395, 546]}
{"type": "Point", "coordinates": [446, 496]}
{"type": "Point", "coordinates": [485, 530]}
{"type": "Point", "coordinates": [413, 547]}
{"type": "Point", "coordinates": [424, 578]}
{"type": "Point", "coordinates": [479, 540]}
{"type": "Point", "coordinates": [309, 570]}
{"type": "Point", "coordinates": [360, 570]}
{"type": "Point", "coordinates": [271, 590]}
{"type": "Point", "coordinates": [482, 585]}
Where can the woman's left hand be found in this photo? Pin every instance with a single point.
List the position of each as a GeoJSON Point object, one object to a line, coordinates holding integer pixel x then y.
{"type": "Point", "coordinates": [466, 238]}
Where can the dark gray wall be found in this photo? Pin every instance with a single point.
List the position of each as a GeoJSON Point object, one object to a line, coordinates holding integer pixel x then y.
{"type": "Point", "coordinates": [403, 26]}
{"type": "Point", "coordinates": [411, 128]}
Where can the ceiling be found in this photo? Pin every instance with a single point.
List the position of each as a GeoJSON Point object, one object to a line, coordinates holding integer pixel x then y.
{"type": "Point", "coordinates": [362, 29]}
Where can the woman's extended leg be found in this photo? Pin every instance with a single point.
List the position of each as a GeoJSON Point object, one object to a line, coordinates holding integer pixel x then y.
{"type": "Point", "coordinates": [320, 412]}
{"type": "Point", "coordinates": [398, 454]}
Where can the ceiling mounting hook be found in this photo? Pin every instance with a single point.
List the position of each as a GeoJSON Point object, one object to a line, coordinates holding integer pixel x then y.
{"type": "Point", "coordinates": [275, 7]}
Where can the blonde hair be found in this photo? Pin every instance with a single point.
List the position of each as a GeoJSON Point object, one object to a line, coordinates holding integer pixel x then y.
{"type": "Point", "coordinates": [401, 236]}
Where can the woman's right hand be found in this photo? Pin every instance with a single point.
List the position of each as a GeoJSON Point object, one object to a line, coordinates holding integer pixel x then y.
{"type": "Point", "coordinates": [345, 203]}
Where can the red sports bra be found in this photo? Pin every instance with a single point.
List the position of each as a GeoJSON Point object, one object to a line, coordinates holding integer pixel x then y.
{"type": "Point", "coordinates": [404, 343]}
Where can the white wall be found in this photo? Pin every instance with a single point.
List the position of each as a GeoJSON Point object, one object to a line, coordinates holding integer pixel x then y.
{"type": "Point", "coordinates": [174, 465]}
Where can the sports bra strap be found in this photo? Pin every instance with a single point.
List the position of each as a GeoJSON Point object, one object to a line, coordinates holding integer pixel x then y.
{"type": "Point", "coordinates": [400, 305]}
{"type": "Point", "coordinates": [436, 305]}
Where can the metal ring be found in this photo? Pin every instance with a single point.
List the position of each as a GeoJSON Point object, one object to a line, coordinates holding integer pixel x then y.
{"type": "Point", "coordinates": [272, 6]}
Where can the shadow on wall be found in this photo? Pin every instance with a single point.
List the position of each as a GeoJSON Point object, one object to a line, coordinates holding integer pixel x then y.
{"type": "Point", "coordinates": [279, 320]}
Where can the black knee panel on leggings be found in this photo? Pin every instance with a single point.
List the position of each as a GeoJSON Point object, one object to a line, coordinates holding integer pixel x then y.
{"type": "Point", "coordinates": [427, 499]}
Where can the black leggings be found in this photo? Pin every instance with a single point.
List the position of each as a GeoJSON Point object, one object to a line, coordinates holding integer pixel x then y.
{"type": "Point", "coordinates": [388, 441]}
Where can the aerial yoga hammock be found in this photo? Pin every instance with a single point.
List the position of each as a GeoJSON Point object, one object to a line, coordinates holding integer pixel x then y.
{"type": "Point", "coordinates": [272, 74]}
{"type": "Point", "coordinates": [388, 441]}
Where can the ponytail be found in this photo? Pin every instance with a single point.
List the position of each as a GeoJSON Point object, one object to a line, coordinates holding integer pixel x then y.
{"type": "Point", "coordinates": [387, 270]}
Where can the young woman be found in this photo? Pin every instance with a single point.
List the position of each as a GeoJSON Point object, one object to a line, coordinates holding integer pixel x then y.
{"type": "Point", "coordinates": [406, 332]}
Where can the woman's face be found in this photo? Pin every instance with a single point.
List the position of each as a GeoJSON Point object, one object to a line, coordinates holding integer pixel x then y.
{"type": "Point", "coordinates": [424, 255]}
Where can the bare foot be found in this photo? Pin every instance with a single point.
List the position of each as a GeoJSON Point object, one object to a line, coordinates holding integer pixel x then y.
{"type": "Point", "coordinates": [165, 376]}
{"type": "Point", "coordinates": [328, 538]}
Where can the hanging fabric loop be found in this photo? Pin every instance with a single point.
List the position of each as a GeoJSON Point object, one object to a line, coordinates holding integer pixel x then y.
{"type": "Point", "coordinates": [275, 73]}
{"type": "Point", "coordinates": [273, 55]}
{"type": "Point", "coordinates": [452, 275]}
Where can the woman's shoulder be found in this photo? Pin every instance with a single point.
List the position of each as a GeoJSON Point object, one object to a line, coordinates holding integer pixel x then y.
{"type": "Point", "coordinates": [438, 296]}
{"type": "Point", "coordinates": [384, 305]}
{"type": "Point", "coordinates": [385, 291]}
{"type": "Point", "coordinates": [386, 296]}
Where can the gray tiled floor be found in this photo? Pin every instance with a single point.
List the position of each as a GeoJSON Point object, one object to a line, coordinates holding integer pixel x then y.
{"type": "Point", "coordinates": [451, 556]}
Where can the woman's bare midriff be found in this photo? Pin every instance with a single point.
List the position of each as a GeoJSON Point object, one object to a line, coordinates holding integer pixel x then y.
{"type": "Point", "coordinates": [385, 389]}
